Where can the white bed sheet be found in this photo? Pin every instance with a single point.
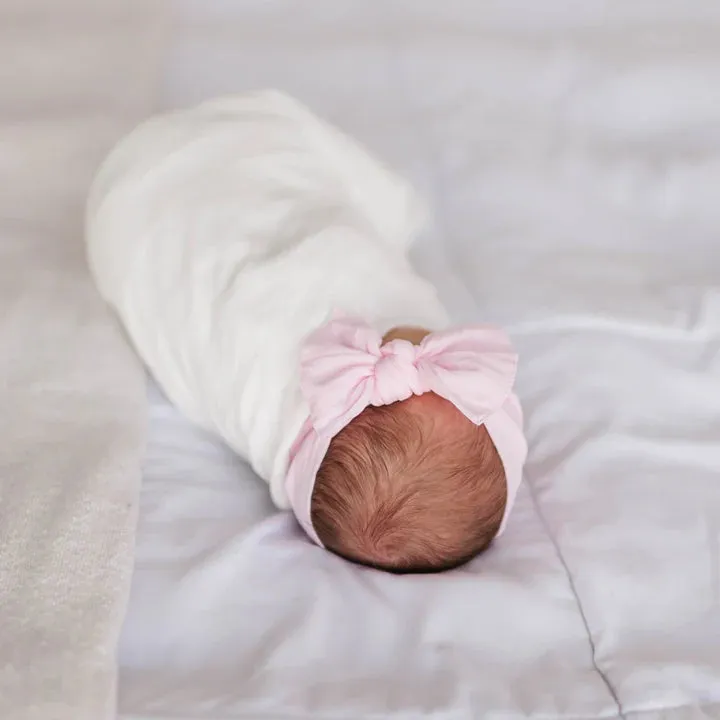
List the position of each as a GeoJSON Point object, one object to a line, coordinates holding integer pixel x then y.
{"type": "Point", "coordinates": [571, 151]}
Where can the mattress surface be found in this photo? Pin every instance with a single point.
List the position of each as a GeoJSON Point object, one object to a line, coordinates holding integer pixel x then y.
{"type": "Point", "coordinates": [571, 154]}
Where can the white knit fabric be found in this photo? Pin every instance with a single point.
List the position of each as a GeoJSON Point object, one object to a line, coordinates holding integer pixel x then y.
{"type": "Point", "coordinates": [76, 75]}
{"type": "Point", "coordinates": [223, 234]}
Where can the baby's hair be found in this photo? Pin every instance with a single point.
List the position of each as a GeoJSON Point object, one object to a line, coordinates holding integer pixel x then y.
{"type": "Point", "coordinates": [410, 487]}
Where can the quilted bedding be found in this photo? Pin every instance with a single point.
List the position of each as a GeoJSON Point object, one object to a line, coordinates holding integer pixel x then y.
{"type": "Point", "coordinates": [570, 150]}
{"type": "Point", "coordinates": [571, 153]}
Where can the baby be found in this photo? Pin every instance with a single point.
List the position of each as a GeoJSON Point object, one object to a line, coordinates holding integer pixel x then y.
{"type": "Point", "coordinates": [257, 258]}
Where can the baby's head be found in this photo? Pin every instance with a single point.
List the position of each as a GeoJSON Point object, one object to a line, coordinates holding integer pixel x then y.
{"type": "Point", "coordinates": [410, 487]}
{"type": "Point", "coordinates": [413, 448]}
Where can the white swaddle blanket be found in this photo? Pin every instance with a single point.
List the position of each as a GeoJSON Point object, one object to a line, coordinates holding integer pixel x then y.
{"type": "Point", "coordinates": [224, 234]}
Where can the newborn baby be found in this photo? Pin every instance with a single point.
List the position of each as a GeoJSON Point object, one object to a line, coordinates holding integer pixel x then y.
{"type": "Point", "coordinates": [257, 258]}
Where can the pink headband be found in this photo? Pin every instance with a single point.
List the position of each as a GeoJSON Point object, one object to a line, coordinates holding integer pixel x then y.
{"type": "Point", "coordinates": [344, 368]}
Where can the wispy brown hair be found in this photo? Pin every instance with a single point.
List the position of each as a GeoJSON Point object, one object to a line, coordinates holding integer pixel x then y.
{"type": "Point", "coordinates": [410, 487]}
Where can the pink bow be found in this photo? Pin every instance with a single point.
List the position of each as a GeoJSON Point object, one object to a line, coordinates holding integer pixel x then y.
{"type": "Point", "coordinates": [344, 367]}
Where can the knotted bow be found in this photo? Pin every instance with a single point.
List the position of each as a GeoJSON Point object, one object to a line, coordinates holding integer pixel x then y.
{"type": "Point", "coordinates": [344, 367]}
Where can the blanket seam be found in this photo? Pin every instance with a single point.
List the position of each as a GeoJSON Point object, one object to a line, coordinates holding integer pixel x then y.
{"type": "Point", "coordinates": [581, 610]}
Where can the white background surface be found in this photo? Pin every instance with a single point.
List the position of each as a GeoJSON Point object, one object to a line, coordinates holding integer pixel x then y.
{"type": "Point", "coordinates": [571, 153]}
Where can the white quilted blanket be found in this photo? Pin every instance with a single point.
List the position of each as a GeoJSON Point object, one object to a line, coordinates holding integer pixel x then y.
{"type": "Point", "coordinates": [571, 150]}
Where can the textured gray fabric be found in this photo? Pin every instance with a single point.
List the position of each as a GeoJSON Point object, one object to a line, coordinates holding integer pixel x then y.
{"type": "Point", "coordinates": [74, 76]}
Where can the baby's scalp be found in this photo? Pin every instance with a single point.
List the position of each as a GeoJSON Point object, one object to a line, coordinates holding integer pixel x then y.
{"type": "Point", "coordinates": [413, 486]}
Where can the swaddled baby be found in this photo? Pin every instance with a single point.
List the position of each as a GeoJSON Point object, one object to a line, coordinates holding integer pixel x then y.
{"type": "Point", "coordinates": [258, 260]}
